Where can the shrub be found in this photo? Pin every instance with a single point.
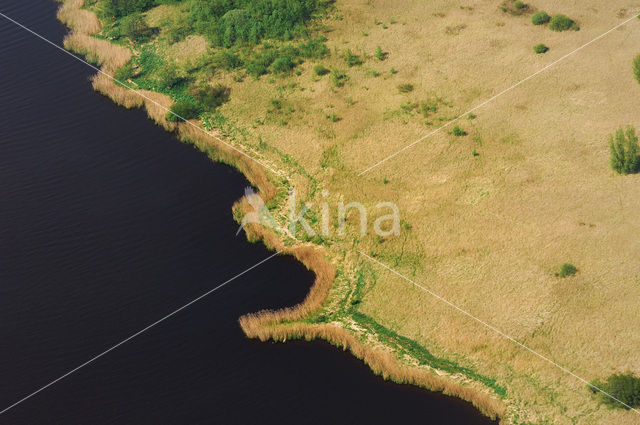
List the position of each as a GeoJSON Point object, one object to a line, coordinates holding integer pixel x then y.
{"type": "Point", "coordinates": [566, 270]}
{"type": "Point", "coordinates": [256, 69]}
{"type": "Point", "coordinates": [540, 48]}
{"type": "Point", "coordinates": [457, 131]}
{"type": "Point", "coordinates": [519, 5]}
{"type": "Point", "coordinates": [168, 75]}
{"type": "Point", "coordinates": [351, 59]}
{"type": "Point", "coordinates": [124, 73]}
{"type": "Point", "coordinates": [314, 48]}
{"type": "Point", "coordinates": [540, 18]}
{"type": "Point", "coordinates": [380, 55]}
{"type": "Point", "coordinates": [562, 23]}
{"type": "Point", "coordinates": [176, 27]}
{"type": "Point", "coordinates": [373, 73]}
{"type": "Point", "coordinates": [636, 68]}
{"type": "Point", "coordinates": [624, 387]}
{"type": "Point", "coordinates": [182, 110]}
{"type": "Point", "coordinates": [227, 60]}
{"type": "Point", "coordinates": [338, 78]}
{"type": "Point", "coordinates": [623, 149]}
{"type": "Point", "coordinates": [428, 108]}
{"type": "Point", "coordinates": [211, 96]}
{"type": "Point", "coordinates": [405, 88]}
{"type": "Point", "coordinates": [283, 65]}
{"type": "Point", "coordinates": [320, 70]}
{"type": "Point", "coordinates": [333, 117]}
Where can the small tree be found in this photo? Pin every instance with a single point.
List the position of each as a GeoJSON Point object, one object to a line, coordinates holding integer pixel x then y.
{"type": "Point", "coordinates": [135, 26]}
{"type": "Point", "coordinates": [636, 68]}
{"type": "Point", "coordinates": [623, 148]}
{"type": "Point", "coordinates": [182, 110]}
{"type": "Point", "coordinates": [211, 96]}
{"type": "Point", "coordinates": [380, 55]}
{"type": "Point", "coordinates": [624, 387]}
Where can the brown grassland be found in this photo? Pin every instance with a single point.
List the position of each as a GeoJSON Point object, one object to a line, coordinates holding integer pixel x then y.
{"type": "Point", "coordinates": [488, 217]}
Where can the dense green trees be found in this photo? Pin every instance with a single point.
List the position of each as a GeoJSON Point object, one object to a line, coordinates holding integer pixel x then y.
{"type": "Point", "coordinates": [120, 8]}
{"type": "Point", "coordinates": [229, 23]}
{"type": "Point", "coordinates": [135, 27]}
{"type": "Point", "coordinates": [623, 148]}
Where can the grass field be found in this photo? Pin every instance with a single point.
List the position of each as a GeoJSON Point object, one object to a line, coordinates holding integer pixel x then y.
{"type": "Point", "coordinates": [489, 215]}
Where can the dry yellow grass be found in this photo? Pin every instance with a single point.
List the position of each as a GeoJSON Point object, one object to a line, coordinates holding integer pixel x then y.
{"type": "Point", "coordinates": [486, 232]}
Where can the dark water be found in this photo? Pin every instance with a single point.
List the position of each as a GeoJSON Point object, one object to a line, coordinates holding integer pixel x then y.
{"type": "Point", "coordinates": [107, 224]}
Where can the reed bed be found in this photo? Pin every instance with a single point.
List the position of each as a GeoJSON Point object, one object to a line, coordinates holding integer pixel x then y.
{"type": "Point", "coordinates": [266, 324]}
{"type": "Point", "coordinates": [379, 360]}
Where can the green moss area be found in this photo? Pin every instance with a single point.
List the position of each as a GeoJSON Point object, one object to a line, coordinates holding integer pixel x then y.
{"type": "Point", "coordinates": [249, 38]}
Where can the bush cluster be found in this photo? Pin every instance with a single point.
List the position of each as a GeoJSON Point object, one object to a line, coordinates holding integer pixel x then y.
{"type": "Point", "coordinates": [229, 23]}
{"type": "Point", "coordinates": [623, 148]}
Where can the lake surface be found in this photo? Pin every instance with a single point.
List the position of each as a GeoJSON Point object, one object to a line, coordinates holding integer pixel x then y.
{"type": "Point", "coordinates": [107, 224]}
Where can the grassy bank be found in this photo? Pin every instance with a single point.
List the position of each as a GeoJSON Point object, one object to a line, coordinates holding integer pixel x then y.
{"type": "Point", "coordinates": [490, 209]}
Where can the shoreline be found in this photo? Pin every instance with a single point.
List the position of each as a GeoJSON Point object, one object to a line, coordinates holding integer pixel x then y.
{"type": "Point", "coordinates": [276, 325]}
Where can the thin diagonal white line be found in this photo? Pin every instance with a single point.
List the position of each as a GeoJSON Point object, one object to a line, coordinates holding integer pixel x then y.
{"type": "Point", "coordinates": [498, 331]}
{"type": "Point", "coordinates": [138, 93]}
{"type": "Point", "coordinates": [496, 96]}
{"type": "Point", "coordinates": [137, 333]}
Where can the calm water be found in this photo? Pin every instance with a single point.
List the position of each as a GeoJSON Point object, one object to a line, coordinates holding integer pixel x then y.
{"type": "Point", "coordinates": [107, 224]}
